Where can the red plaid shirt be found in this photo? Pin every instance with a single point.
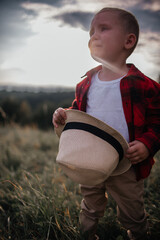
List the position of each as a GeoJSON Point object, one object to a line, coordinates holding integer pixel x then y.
{"type": "Point", "coordinates": [141, 104]}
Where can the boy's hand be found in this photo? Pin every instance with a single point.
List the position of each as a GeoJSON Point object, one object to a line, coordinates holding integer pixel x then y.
{"type": "Point", "coordinates": [59, 117]}
{"type": "Point", "coordinates": [137, 152]}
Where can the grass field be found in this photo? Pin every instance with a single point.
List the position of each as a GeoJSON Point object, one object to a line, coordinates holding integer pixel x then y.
{"type": "Point", "coordinates": [37, 201]}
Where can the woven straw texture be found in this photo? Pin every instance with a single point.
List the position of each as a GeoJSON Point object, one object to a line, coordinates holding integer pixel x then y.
{"type": "Point", "coordinates": [86, 158]}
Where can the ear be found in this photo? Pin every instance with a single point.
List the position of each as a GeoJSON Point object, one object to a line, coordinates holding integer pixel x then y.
{"type": "Point", "coordinates": [130, 41]}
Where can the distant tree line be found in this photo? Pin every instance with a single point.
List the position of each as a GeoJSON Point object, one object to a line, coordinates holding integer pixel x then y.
{"type": "Point", "coordinates": [34, 109]}
{"type": "Point", "coordinates": [30, 108]}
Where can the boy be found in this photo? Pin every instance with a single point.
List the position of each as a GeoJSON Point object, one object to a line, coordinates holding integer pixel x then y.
{"type": "Point", "coordinates": [120, 95]}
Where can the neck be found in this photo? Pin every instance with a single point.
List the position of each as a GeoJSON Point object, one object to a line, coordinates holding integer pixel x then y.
{"type": "Point", "coordinates": [110, 72]}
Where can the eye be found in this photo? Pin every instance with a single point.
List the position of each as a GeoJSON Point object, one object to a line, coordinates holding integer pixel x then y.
{"type": "Point", "coordinates": [104, 28]}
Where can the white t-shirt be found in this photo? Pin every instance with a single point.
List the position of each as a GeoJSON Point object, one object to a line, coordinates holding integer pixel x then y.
{"type": "Point", "coordinates": [105, 103]}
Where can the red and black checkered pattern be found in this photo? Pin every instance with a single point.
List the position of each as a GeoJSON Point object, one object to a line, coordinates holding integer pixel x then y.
{"type": "Point", "coordinates": [141, 105]}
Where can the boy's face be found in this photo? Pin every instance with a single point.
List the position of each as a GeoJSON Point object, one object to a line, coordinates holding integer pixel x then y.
{"type": "Point", "coordinates": [107, 37]}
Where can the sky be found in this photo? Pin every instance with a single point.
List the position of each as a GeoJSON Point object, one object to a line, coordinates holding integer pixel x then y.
{"type": "Point", "coordinates": [45, 42]}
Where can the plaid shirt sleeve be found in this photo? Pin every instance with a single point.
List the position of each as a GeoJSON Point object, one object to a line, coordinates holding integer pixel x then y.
{"type": "Point", "coordinates": [80, 100]}
{"type": "Point", "coordinates": [151, 136]}
{"type": "Point", "coordinates": [141, 104]}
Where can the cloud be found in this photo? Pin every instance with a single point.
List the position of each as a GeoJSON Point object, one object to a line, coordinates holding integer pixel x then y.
{"type": "Point", "coordinates": [14, 20]}
{"type": "Point", "coordinates": [151, 41]}
{"type": "Point", "coordinates": [76, 19]}
{"type": "Point", "coordinates": [14, 26]}
{"type": "Point", "coordinates": [150, 4]}
{"type": "Point", "coordinates": [19, 18]}
{"type": "Point", "coordinates": [149, 20]}
{"type": "Point", "coordinates": [146, 11]}
{"type": "Point", "coordinates": [56, 3]}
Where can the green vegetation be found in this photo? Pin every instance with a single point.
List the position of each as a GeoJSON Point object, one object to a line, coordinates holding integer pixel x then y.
{"type": "Point", "coordinates": [38, 202]}
{"type": "Point", "coordinates": [30, 108]}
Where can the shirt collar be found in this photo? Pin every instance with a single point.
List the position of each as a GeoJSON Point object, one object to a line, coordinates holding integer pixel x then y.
{"type": "Point", "coordinates": [133, 71]}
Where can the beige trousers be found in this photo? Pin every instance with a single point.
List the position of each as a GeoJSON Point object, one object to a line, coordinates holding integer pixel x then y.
{"type": "Point", "coordinates": [128, 194]}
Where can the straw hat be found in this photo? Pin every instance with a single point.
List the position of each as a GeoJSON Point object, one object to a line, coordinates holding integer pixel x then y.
{"type": "Point", "coordinates": [89, 150]}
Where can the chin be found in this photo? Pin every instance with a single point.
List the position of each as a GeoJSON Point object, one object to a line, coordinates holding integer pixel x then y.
{"type": "Point", "coordinates": [97, 58]}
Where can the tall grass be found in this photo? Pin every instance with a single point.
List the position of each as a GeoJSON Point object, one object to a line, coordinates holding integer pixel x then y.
{"type": "Point", "coordinates": [37, 201]}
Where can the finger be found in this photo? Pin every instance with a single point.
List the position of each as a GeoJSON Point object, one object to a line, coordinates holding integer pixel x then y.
{"type": "Point", "coordinates": [56, 119]}
{"type": "Point", "coordinates": [131, 155]}
{"type": "Point", "coordinates": [61, 119]}
{"type": "Point", "coordinates": [62, 113]}
{"type": "Point", "coordinates": [59, 116]}
{"type": "Point", "coordinates": [54, 122]}
{"type": "Point", "coordinates": [131, 150]}
{"type": "Point", "coordinates": [136, 160]}
{"type": "Point", "coordinates": [133, 143]}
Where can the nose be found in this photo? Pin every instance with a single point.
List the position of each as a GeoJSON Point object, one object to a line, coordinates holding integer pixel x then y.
{"type": "Point", "coordinates": [93, 37]}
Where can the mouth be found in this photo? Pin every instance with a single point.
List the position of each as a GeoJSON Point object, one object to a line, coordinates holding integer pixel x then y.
{"type": "Point", "coordinates": [95, 48]}
{"type": "Point", "coordinates": [96, 45]}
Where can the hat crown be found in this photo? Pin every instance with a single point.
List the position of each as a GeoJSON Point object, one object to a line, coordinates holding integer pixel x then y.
{"type": "Point", "coordinates": [90, 150]}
